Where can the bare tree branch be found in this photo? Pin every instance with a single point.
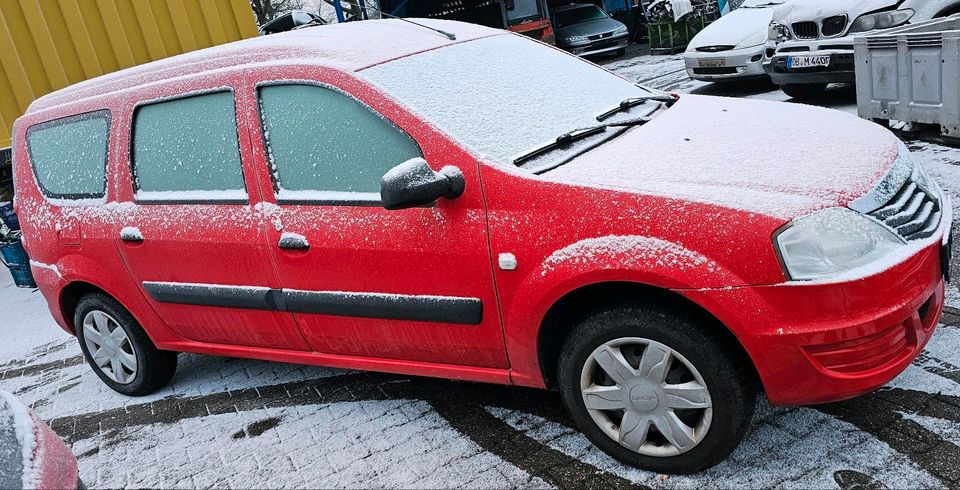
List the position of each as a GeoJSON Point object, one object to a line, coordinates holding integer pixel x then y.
{"type": "Point", "coordinates": [267, 10]}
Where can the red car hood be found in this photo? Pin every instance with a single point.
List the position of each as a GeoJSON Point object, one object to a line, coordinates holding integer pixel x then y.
{"type": "Point", "coordinates": [772, 158]}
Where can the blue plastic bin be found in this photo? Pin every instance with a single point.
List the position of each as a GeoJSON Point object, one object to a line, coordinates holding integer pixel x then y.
{"type": "Point", "coordinates": [8, 217]}
{"type": "Point", "coordinates": [14, 255]}
{"type": "Point", "coordinates": [15, 258]}
{"type": "Point", "coordinates": [22, 277]}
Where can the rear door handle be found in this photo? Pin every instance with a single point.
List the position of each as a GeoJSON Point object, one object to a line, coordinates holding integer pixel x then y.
{"type": "Point", "coordinates": [293, 241]}
{"type": "Point", "coordinates": [131, 234]}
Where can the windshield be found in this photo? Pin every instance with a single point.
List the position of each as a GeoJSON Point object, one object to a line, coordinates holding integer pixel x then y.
{"type": "Point", "coordinates": [524, 9]}
{"type": "Point", "coordinates": [503, 96]}
{"type": "Point", "coordinates": [581, 14]}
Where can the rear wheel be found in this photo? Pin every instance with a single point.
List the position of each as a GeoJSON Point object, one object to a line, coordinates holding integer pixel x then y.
{"type": "Point", "coordinates": [656, 390]}
{"type": "Point", "coordinates": [805, 90]}
{"type": "Point", "coordinates": [117, 348]}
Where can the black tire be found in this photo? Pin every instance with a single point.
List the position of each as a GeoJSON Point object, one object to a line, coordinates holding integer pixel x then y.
{"type": "Point", "coordinates": [805, 90]}
{"type": "Point", "coordinates": [727, 376]}
{"type": "Point", "coordinates": [155, 368]}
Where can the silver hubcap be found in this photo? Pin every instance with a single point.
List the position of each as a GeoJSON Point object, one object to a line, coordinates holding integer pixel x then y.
{"type": "Point", "coordinates": [110, 347]}
{"type": "Point", "coordinates": [646, 396]}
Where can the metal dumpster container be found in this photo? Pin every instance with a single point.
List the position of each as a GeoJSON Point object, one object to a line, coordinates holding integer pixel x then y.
{"type": "Point", "coordinates": [912, 74]}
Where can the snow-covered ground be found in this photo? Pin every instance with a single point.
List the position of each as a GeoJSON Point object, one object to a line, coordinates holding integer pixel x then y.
{"type": "Point", "coordinates": [243, 423]}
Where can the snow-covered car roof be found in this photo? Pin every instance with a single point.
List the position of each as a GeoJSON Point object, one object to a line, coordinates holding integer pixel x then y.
{"type": "Point", "coordinates": [348, 46]}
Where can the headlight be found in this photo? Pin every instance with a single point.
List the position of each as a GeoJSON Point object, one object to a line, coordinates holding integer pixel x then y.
{"type": "Point", "coordinates": [620, 31]}
{"type": "Point", "coordinates": [778, 32]}
{"type": "Point", "coordinates": [833, 241]}
{"type": "Point", "coordinates": [576, 39]}
{"type": "Point", "coordinates": [754, 40]}
{"type": "Point", "coordinates": [882, 20]}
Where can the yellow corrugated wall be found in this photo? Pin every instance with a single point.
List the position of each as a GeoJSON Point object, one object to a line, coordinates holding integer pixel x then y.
{"type": "Point", "coordinates": [46, 45]}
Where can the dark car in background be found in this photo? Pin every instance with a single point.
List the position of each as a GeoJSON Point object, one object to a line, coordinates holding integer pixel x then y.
{"type": "Point", "coordinates": [585, 29]}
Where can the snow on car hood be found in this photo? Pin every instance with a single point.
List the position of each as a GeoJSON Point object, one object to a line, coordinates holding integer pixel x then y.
{"type": "Point", "coordinates": [819, 9]}
{"type": "Point", "coordinates": [772, 158]}
{"type": "Point", "coordinates": [735, 27]}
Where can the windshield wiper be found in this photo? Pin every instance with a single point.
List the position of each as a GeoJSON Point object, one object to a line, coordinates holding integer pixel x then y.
{"type": "Point", "coordinates": [577, 135]}
{"type": "Point", "coordinates": [762, 6]}
{"type": "Point", "coordinates": [627, 104]}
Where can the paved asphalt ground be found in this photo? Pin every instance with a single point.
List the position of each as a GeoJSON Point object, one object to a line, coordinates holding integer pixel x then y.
{"type": "Point", "coordinates": [242, 423]}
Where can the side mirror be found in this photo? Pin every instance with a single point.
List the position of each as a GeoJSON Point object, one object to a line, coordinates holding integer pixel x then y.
{"type": "Point", "coordinates": [510, 5]}
{"type": "Point", "coordinates": [413, 183]}
{"type": "Point", "coordinates": [289, 21]}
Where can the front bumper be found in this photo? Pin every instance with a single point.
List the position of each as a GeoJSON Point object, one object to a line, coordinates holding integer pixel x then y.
{"type": "Point", "coordinates": [816, 343]}
{"type": "Point", "coordinates": [598, 46]}
{"type": "Point", "coordinates": [841, 69]}
{"type": "Point", "coordinates": [725, 65]}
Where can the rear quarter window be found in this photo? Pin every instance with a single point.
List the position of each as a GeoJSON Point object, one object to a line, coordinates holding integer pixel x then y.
{"type": "Point", "coordinates": [69, 156]}
{"type": "Point", "coordinates": [187, 150]}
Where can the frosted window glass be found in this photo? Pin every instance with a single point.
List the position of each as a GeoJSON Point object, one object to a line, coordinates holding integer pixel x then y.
{"type": "Point", "coordinates": [188, 145]}
{"type": "Point", "coordinates": [322, 140]}
{"type": "Point", "coordinates": [70, 158]}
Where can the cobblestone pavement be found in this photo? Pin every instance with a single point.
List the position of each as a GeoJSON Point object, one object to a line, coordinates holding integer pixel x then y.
{"type": "Point", "coordinates": [244, 423]}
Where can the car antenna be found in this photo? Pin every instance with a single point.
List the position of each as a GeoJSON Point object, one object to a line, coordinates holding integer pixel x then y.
{"type": "Point", "coordinates": [449, 35]}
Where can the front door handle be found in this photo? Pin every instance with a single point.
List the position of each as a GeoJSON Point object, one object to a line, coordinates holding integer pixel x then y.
{"type": "Point", "coordinates": [293, 241]}
{"type": "Point", "coordinates": [131, 234]}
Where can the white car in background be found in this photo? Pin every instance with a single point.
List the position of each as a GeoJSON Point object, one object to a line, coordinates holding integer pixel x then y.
{"type": "Point", "coordinates": [732, 47]}
{"type": "Point", "coordinates": [810, 42]}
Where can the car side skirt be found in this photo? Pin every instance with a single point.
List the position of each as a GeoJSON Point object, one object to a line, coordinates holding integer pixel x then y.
{"type": "Point", "coordinates": [395, 366]}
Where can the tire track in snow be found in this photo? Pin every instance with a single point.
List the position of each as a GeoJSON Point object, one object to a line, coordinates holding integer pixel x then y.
{"type": "Point", "coordinates": [461, 404]}
{"type": "Point", "coordinates": [880, 414]}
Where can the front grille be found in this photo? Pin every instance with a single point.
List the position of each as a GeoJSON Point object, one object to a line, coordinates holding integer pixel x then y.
{"type": "Point", "coordinates": [716, 70]}
{"type": "Point", "coordinates": [599, 36]}
{"type": "Point", "coordinates": [913, 212]}
{"type": "Point", "coordinates": [834, 26]}
{"type": "Point", "coordinates": [715, 49]}
{"type": "Point", "coordinates": [806, 30]}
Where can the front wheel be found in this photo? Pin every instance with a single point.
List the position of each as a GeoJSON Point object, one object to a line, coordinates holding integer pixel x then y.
{"type": "Point", "coordinates": [656, 390]}
{"type": "Point", "coordinates": [117, 348]}
{"type": "Point", "coordinates": [804, 91]}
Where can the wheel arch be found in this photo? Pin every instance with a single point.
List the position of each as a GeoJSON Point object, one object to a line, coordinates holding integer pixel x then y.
{"type": "Point", "coordinates": [563, 315]}
{"type": "Point", "coordinates": [70, 297]}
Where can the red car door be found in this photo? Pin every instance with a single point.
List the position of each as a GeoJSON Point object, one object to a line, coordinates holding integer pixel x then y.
{"type": "Point", "coordinates": [412, 285]}
{"type": "Point", "coordinates": [190, 233]}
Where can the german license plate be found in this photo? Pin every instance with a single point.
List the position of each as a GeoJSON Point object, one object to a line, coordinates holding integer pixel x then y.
{"type": "Point", "coordinates": [712, 62]}
{"type": "Point", "coordinates": [807, 61]}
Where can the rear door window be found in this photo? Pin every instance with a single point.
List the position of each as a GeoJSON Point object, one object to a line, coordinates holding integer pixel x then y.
{"type": "Point", "coordinates": [324, 145]}
{"type": "Point", "coordinates": [187, 150]}
{"type": "Point", "coordinates": [69, 156]}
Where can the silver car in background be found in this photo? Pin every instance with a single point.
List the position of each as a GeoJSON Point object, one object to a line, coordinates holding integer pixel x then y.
{"type": "Point", "coordinates": [585, 29]}
{"type": "Point", "coordinates": [810, 43]}
{"type": "Point", "coordinates": [731, 48]}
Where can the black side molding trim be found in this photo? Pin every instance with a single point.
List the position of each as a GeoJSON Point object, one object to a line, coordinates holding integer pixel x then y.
{"type": "Point", "coordinates": [248, 297]}
{"type": "Point", "coordinates": [442, 309]}
{"type": "Point", "coordinates": [438, 309]}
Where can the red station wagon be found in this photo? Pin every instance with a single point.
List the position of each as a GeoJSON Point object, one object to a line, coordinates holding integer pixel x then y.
{"type": "Point", "coordinates": [376, 196]}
